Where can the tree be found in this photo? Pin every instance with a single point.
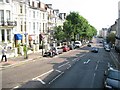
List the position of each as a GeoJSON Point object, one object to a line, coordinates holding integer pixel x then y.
{"type": "Point", "coordinates": [68, 31]}
{"type": "Point", "coordinates": [91, 32]}
{"type": "Point", "coordinates": [59, 34]}
{"type": "Point", "coordinates": [76, 24]}
{"type": "Point", "coordinates": [111, 38]}
{"type": "Point", "coordinates": [74, 18]}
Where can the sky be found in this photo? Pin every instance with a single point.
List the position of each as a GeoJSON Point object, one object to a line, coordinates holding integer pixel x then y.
{"type": "Point", "coordinates": [99, 13]}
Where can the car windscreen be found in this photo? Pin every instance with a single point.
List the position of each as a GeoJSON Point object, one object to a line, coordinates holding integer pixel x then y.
{"type": "Point", "coordinates": [114, 75]}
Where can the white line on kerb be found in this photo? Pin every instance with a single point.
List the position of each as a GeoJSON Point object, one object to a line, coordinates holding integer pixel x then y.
{"type": "Point", "coordinates": [63, 65]}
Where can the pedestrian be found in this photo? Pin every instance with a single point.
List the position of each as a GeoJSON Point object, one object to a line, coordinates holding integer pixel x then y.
{"type": "Point", "coordinates": [4, 51]}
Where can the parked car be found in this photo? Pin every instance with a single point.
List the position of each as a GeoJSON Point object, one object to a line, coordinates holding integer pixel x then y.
{"type": "Point", "coordinates": [65, 48]}
{"type": "Point", "coordinates": [107, 47]}
{"type": "Point", "coordinates": [94, 49]}
{"type": "Point", "coordinates": [71, 46]}
{"type": "Point", "coordinates": [112, 79]}
{"type": "Point", "coordinates": [89, 45]}
{"type": "Point", "coordinates": [52, 52]}
{"type": "Point", "coordinates": [77, 44]}
{"type": "Point", "coordinates": [90, 41]}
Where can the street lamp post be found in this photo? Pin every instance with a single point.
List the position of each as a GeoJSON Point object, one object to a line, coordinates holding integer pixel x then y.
{"type": "Point", "coordinates": [25, 47]}
{"type": "Point", "coordinates": [42, 48]}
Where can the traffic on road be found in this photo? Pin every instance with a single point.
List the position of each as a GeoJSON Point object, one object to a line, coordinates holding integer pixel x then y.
{"type": "Point", "coordinates": [76, 68]}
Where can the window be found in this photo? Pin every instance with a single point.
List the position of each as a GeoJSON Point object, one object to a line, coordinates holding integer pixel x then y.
{"type": "Point", "coordinates": [30, 13]}
{"type": "Point", "coordinates": [1, 15]}
{"type": "Point", "coordinates": [38, 5]}
{"type": "Point", "coordinates": [32, 3]}
{"type": "Point", "coordinates": [25, 26]}
{"type": "Point", "coordinates": [40, 28]}
{"type": "Point", "coordinates": [38, 14]}
{"type": "Point", "coordinates": [8, 15]}
{"type": "Point", "coordinates": [37, 26]}
{"type": "Point", "coordinates": [3, 37]}
{"type": "Point", "coordinates": [43, 15]}
{"type": "Point", "coordinates": [20, 8]}
{"type": "Point", "coordinates": [33, 27]}
{"type": "Point", "coordinates": [1, 0]}
{"type": "Point", "coordinates": [33, 14]}
{"type": "Point", "coordinates": [21, 27]}
{"type": "Point", "coordinates": [8, 34]}
{"type": "Point", "coordinates": [7, 1]}
{"type": "Point", "coordinates": [43, 27]}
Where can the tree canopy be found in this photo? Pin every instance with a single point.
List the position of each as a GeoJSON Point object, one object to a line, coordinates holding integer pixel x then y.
{"type": "Point", "coordinates": [75, 27]}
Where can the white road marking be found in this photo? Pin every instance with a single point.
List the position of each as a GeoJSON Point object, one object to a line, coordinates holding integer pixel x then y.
{"type": "Point", "coordinates": [41, 81]}
{"type": "Point", "coordinates": [69, 66]}
{"type": "Point", "coordinates": [98, 62]}
{"type": "Point", "coordinates": [16, 87]}
{"type": "Point", "coordinates": [96, 67]}
{"type": "Point", "coordinates": [43, 74]}
{"type": "Point", "coordinates": [93, 80]}
{"type": "Point", "coordinates": [58, 71]}
{"type": "Point", "coordinates": [82, 55]}
{"type": "Point", "coordinates": [56, 78]}
{"type": "Point", "coordinates": [74, 59]}
{"type": "Point", "coordinates": [63, 65]}
{"type": "Point", "coordinates": [87, 61]}
{"type": "Point", "coordinates": [77, 59]}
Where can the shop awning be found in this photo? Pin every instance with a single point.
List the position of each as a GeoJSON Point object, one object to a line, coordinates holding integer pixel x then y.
{"type": "Point", "coordinates": [18, 37]}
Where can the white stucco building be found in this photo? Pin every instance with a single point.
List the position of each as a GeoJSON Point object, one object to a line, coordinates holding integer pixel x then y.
{"type": "Point", "coordinates": [24, 21]}
{"type": "Point", "coordinates": [7, 22]}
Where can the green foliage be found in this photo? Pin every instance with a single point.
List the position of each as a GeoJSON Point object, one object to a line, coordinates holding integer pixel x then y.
{"type": "Point", "coordinates": [59, 34]}
{"type": "Point", "coordinates": [111, 38]}
{"type": "Point", "coordinates": [68, 31]}
{"type": "Point", "coordinates": [74, 25]}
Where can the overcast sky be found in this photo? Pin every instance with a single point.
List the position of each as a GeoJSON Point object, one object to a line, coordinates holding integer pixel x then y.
{"type": "Point", "coordinates": [99, 13]}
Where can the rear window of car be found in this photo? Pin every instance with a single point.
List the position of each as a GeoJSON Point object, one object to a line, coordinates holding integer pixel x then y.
{"type": "Point", "coordinates": [114, 75]}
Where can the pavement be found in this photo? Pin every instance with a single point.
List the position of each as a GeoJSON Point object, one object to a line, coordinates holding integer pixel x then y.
{"type": "Point", "coordinates": [12, 61]}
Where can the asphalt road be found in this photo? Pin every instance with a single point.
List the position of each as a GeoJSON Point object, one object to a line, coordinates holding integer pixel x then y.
{"type": "Point", "coordinates": [78, 68]}
{"type": "Point", "coordinates": [88, 72]}
{"type": "Point", "coordinates": [40, 70]}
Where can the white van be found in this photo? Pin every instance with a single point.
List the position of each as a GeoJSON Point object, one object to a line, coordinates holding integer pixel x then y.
{"type": "Point", "coordinates": [77, 44]}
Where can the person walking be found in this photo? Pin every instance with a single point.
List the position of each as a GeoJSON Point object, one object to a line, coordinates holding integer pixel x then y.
{"type": "Point", "coordinates": [4, 51]}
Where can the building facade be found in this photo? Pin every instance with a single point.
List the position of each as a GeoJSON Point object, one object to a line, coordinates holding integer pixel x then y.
{"type": "Point", "coordinates": [27, 21]}
{"type": "Point", "coordinates": [7, 22]}
{"type": "Point", "coordinates": [117, 40]}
